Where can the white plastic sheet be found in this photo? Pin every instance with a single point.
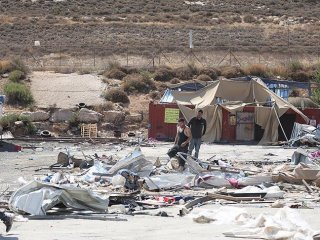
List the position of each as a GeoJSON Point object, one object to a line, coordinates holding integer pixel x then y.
{"type": "Point", "coordinates": [37, 198]}
{"type": "Point", "coordinates": [134, 162]}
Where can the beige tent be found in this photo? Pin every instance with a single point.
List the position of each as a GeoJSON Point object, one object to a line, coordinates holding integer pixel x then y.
{"type": "Point", "coordinates": [234, 95]}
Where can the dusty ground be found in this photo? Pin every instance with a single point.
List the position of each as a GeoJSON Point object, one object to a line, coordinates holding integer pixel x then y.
{"type": "Point", "coordinates": [136, 228]}
{"type": "Point", "coordinates": [66, 90]}
{"type": "Point", "coordinates": [15, 165]}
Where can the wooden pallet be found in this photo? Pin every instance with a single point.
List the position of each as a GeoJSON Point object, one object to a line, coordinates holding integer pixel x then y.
{"type": "Point", "coordinates": [89, 130]}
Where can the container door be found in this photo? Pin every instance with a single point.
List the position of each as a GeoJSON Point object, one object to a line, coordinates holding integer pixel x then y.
{"type": "Point", "coordinates": [245, 126]}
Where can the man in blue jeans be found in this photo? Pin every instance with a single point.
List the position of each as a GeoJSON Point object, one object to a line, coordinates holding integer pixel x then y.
{"type": "Point", "coordinates": [198, 126]}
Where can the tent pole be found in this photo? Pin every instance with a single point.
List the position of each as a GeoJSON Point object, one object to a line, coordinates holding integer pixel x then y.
{"type": "Point", "coordinates": [280, 123]}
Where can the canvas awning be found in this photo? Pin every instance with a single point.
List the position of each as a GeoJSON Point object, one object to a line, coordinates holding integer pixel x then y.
{"type": "Point", "coordinates": [254, 93]}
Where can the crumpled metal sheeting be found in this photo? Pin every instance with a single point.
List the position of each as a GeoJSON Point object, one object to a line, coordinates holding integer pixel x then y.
{"type": "Point", "coordinates": [135, 162]}
{"type": "Point", "coordinates": [36, 198]}
{"type": "Point", "coordinates": [168, 181]}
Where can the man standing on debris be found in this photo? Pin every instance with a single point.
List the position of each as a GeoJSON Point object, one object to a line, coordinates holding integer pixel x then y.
{"type": "Point", "coordinates": [7, 219]}
{"type": "Point", "coordinates": [198, 126]}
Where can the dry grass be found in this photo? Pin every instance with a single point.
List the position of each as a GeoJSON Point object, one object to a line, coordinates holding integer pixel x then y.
{"type": "Point", "coordinates": [258, 70]}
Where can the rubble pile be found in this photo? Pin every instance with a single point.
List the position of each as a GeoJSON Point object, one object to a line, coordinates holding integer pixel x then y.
{"type": "Point", "coordinates": [102, 187]}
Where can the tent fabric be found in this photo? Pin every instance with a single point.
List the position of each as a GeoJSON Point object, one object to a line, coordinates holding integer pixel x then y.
{"type": "Point", "coordinates": [214, 125]}
{"type": "Point", "coordinates": [248, 93]}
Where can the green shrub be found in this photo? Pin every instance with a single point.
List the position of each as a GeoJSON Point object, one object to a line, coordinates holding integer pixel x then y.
{"type": "Point", "coordinates": [317, 74]}
{"type": "Point", "coordinates": [74, 120]}
{"type": "Point", "coordinates": [138, 83]}
{"type": "Point", "coordinates": [18, 94]}
{"type": "Point", "coordinates": [8, 120]}
{"type": "Point", "coordinates": [296, 66]}
{"type": "Point", "coordinates": [163, 74]}
{"type": "Point", "coordinates": [204, 77]}
{"type": "Point", "coordinates": [116, 96]}
{"type": "Point", "coordinates": [316, 95]}
{"type": "Point", "coordinates": [16, 76]}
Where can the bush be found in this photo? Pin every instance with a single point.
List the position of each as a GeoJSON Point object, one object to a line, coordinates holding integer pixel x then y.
{"type": "Point", "coordinates": [212, 73]}
{"type": "Point", "coordinates": [249, 18]}
{"type": "Point", "coordinates": [204, 77]}
{"type": "Point", "coordinates": [258, 70]}
{"type": "Point", "coordinates": [232, 72]}
{"type": "Point", "coordinates": [74, 121]}
{"type": "Point", "coordinates": [18, 64]}
{"type": "Point", "coordinates": [115, 74]}
{"type": "Point", "coordinates": [104, 107]}
{"type": "Point", "coordinates": [163, 74]}
{"type": "Point", "coordinates": [155, 95]}
{"type": "Point", "coordinates": [317, 74]}
{"type": "Point", "coordinates": [116, 96]}
{"type": "Point", "coordinates": [279, 71]}
{"type": "Point", "coordinates": [316, 95]}
{"type": "Point", "coordinates": [295, 66]}
{"type": "Point", "coordinates": [294, 93]}
{"type": "Point", "coordinates": [18, 94]}
{"type": "Point", "coordinates": [5, 67]}
{"type": "Point", "coordinates": [139, 83]}
{"type": "Point", "coordinates": [7, 122]}
{"type": "Point", "coordinates": [187, 72]}
{"type": "Point", "coordinates": [175, 81]}
{"type": "Point", "coordinates": [301, 76]}
{"type": "Point", "coordinates": [16, 75]}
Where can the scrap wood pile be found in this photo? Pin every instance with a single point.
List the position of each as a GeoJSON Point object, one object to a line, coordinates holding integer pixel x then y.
{"type": "Point", "coordinates": [102, 187]}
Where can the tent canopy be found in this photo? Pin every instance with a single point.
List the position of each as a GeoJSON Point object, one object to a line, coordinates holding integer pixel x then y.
{"type": "Point", "coordinates": [233, 95]}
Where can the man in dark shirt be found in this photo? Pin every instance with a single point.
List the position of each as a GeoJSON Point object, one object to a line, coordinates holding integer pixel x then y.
{"type": "Point", "coordinates": [198, 126]}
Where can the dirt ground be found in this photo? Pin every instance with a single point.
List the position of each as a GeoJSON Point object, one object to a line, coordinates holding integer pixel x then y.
{"type": "Point", "coordinates": [66, 90]}
{"type": "Point", "coordinates": [37, 155]}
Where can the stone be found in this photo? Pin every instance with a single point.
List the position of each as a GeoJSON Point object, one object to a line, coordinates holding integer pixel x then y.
{"type": "Point", "coordinates": [38, 116]}
{"type": "Point", "coordinates": [107, 126]}
{"type": "Point", "coordinates": [19, 124]}
{"type": "Point", "coordinates": [89, 116]}
{"type": "Point", "coordinates": [62, 115]}
{"type": "Point", "coordinates": [134, 118]}
{"type": "Point", "coordinates": [114, 116]}
{"type": "Point", "coordinates": [43, 126]}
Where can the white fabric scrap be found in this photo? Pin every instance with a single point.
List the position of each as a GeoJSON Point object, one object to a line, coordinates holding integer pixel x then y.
{"type": "Point", "coordinates": [285, 224]}
{"type": "Point", "coordinates": [223, 215]}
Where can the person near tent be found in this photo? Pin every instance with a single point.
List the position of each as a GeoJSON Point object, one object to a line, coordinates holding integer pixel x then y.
{"type": "Point", "coordinates": [198, 126]}
{"type": "Point", "coordinates": [181, 142]}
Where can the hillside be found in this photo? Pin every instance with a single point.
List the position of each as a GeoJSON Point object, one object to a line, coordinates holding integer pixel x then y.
{"type": "Point", "coordinates": [141, 26]}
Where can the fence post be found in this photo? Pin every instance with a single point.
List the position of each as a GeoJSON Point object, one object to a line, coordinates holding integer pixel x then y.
{"type": "Point", "coordinates": [94, 57]}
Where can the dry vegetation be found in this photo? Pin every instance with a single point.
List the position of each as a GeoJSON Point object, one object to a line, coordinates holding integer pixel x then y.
{"type": "Point", "coordinates": [117, 26]}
